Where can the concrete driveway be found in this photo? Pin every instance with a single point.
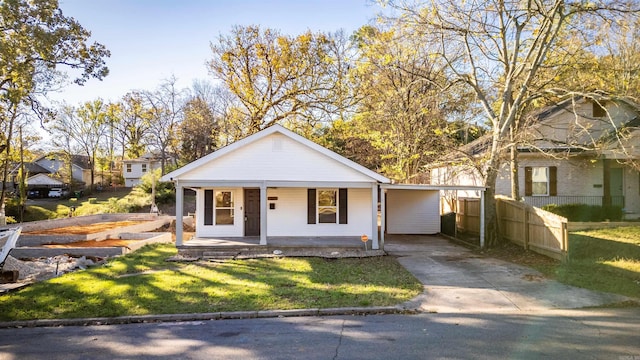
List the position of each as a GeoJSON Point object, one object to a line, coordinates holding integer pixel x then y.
{"type": "Point", "coordinates": [457, 280]}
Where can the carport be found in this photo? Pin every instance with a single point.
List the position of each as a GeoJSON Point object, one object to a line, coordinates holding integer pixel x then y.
{"type": "Point", "coordinates": [415, 209]}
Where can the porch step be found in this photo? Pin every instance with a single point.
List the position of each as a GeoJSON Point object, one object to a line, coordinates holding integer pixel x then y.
{"type": "Point", "coordinates": [209, 255]}
{"type": "Point", "coordinates": [296, 252]}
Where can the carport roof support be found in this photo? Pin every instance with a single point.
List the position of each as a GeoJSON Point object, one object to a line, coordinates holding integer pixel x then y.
{"type": "Point", "coordinates": [384, 187]}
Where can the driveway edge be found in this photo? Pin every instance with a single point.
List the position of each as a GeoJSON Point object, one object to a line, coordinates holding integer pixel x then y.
{"type": "Point", "coordinates": [380, 310]}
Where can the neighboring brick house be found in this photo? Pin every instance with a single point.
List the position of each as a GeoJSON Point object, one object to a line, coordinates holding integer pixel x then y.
{"type": "Point", "coordinates": [578, 151]}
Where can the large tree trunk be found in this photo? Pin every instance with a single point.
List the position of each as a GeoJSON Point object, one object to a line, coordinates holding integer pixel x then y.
{"type": "Point", "coordinates": [515, 184]}
{"type": "Point", "coordinates": [492, 231]}
{"type": "Point", "coordinates": [491, 234]}
{"type": "Point", "coordinates": [5, 172]}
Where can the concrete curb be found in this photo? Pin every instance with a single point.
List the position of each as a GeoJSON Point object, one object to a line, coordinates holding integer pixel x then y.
{"type": "Point", "coordinates": [380, 310]}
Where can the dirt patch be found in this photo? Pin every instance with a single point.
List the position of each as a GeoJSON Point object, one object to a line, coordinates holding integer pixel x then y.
{"type": "Point", "coordinates": [85, 229]}
{"type": "Point", "coordinates": [94, 243]}
{"type": "Point", "coordinates": [533, 277]}
{"type": "Point", "coordinates": [516, 254]}
{"type": "Point", "coordinates": [47, 268]}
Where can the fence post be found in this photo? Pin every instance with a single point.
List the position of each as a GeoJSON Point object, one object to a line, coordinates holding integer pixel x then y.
{"type": "Point", "coordinates": [565, 241]}
{"type": "Point", "coordinates": [465, 217]}
{"type": "Point", "coordinates": [525, 227]}
{"type": "Point", "coordinates": [482, 224]}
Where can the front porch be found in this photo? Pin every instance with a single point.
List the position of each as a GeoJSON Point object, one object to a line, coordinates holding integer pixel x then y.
{"type": "Point", "coordinates": [249, 247]}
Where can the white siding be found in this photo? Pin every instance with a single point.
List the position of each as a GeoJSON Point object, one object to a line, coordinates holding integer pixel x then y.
{"type": "Point", "coordinates": [275, 157]}
{"type": "Point", "coordinates": [289, 218]}
{"type": "Point", "coordinates": [133, 177]}
{"type": "Point", "coordinates": [235, 230]}
{"type": "Point", "coordinates": [413, 211]}
{"type": "Point", "coordinates": [42, 179]}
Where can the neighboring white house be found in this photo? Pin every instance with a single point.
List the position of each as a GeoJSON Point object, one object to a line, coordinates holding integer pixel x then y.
{"type": "Point", "coordinates": [578, 151]}
{"type": "Point", "coordinates": [277, 183]}
{"type": "Point", "coordinates": [134, 169]}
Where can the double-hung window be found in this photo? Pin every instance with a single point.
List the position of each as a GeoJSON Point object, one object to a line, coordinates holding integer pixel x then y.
{"type": "Point", "coordinates": [327, 206]}
{"type": "Point", "coordinates": [144, 168]}
{"type": "Point", "coordinates": [128, 168]}
{"type": "Point", "coordinates": [541, 181]}
{"type": "Point", "coordinates": [224, 208]}
{"type": "Point", "coordinates": [218, 207]}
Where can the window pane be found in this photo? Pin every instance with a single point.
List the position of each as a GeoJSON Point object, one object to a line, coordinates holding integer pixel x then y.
{"type": "Point", "coordinates": [539, 174]}
{"type": "Point", "coordinates": [327, 198]}
{"type": "Point", "coordinates": [540, 188]}
{"type": "Point", "coordinates": [224, 216]}
{"type": "Point", "coordinates": [327, 215]}
{"type": "Point", "coordinates": [223, 199]}
{"type": "Point", "coordinates": [540, 180]}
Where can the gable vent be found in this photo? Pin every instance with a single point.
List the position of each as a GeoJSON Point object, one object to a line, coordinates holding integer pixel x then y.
{"type": "Point", "coordinates": [276, 144]}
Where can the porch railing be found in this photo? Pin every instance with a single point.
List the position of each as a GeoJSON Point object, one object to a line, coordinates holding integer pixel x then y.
{"type": "Point", "coordinates": [540, 201]}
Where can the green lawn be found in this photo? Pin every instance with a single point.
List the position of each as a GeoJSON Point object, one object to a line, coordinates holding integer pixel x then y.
{"type": "Point", "coordinates": [144, 283]}
{"type": "Point", "coordinates": [604, 260]}
{"type": "Point", "coordinates": [108, 201]}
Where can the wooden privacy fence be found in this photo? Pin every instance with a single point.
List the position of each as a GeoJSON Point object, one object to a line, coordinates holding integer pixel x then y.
{"type": "Point", "coordinates": [468, 216]}
{"type": "Point", "coordinates": [532, 228]}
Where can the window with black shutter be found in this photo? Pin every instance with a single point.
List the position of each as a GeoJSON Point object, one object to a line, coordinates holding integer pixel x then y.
{"type": "Point", "coordinates": [327, 206]}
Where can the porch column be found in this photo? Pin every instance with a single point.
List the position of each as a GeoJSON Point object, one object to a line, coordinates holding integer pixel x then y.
{"type": "Point", "coordinates": [481, 219]}
{"type": "Point", "coordinates": [383, 216]}
{"type": "Point", "coordinates": [179, 211]}
{"type": "Point", "coordinates": [374, 217]}
{"type": "Point", "coordinates": [263, 214]}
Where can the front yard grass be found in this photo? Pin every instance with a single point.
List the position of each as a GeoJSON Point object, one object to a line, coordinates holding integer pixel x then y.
{"type": "Point", "coordinates": [144, 283]}
{"type": "Point", "coordinates": [605, 260]}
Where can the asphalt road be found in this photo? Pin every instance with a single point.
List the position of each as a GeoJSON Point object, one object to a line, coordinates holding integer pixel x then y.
{"type": "Point", "coordinates": [578, 334]}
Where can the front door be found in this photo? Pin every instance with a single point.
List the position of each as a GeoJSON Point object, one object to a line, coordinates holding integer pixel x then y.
{"type": "Point", "coordinates": [615, 186]}
{"type": "Point", "coordinates": [251, 212]}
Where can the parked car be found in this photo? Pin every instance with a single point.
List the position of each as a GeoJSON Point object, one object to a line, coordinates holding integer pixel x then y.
{"type": "Point", "coordinates": [55, 193]}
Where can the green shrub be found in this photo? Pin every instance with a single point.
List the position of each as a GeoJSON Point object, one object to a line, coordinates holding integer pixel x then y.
{"type": "Point", "coordinates": [165, 196]}
{"type": "Point", "coordinates": [589, 213]}
{"type": "Point", "coordinates": [164, 190]}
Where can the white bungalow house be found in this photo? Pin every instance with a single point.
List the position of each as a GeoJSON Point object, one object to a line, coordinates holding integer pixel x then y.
{"type": "Point", "coordinates": [579, 151]}
{"type": "Point", "coordinates": [276, 183]}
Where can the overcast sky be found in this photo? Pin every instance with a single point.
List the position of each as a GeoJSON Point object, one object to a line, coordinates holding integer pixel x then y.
{"type": "Point", "coordinates": [150, 40]}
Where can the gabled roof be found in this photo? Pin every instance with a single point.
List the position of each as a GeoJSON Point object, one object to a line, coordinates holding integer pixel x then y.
{"type": "Point", "coordinates": [31, 168]}
{"type": "Point", "coordinates": [261, 135]}
{"type": "Point", "coordinates": [43, 179]}
{"type": "Point", "coordinates": [150, 156]}
{"type": "Point", "coordinates": [541, 116]}
{"type": "Point", "coordinates": [81, 161]}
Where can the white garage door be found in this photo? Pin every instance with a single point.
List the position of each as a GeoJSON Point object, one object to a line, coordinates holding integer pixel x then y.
{"type": "Point", "coordinates": [413, 211]}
